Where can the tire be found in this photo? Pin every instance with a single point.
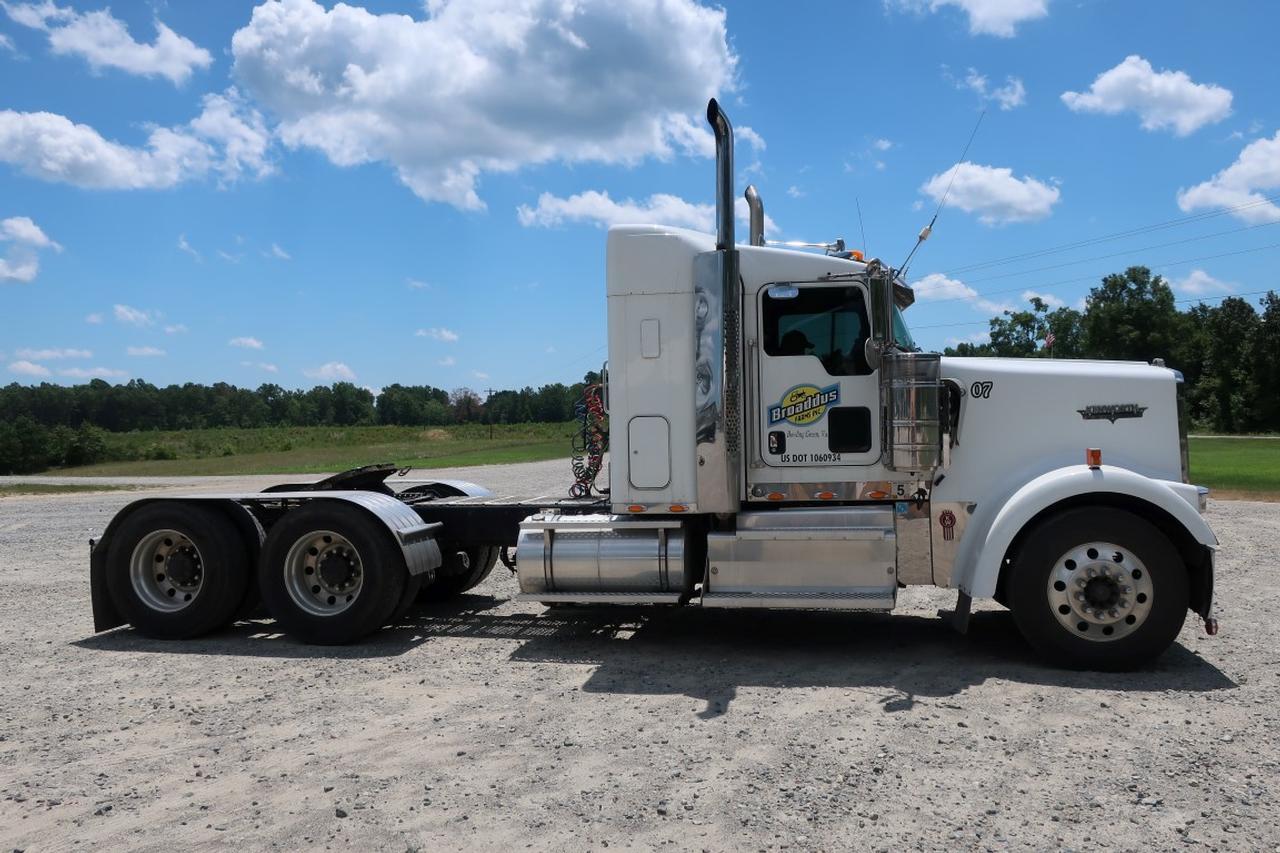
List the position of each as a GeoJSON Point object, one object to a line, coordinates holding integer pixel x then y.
{"type": "Point", "coordinates": [1098, 588]}
{"type": "Point", "coordinates": [453, 580]}
{"type": "Point", "coordinates": [330, 575]}
{"type": "Point", "coordinates": [412, 587]}
{"type": "Point", "coordinates": [203, 563]}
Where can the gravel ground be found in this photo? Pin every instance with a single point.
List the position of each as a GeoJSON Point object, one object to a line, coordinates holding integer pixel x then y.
{"type": "Point", "coordinates": [490, 724]}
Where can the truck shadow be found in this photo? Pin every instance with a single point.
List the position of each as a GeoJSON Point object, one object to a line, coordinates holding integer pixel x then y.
{"type": "Point", "coordinates": [708, 655]}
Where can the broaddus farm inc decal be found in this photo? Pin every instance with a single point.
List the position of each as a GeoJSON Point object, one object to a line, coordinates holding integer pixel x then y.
{"type": "Point", "coordinates": [804, 404]}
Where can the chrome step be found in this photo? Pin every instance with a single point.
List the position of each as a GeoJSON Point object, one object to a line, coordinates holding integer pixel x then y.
{"type": "Point", "coordinates": [600, 597]}
{"type": "Point", "coordinates": [872, 598]}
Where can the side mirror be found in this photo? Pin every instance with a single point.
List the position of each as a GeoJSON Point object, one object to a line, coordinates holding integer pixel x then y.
{"type": "Point", "coordinates": [872, 352]}
{"type": "Point", "coordinates": [783, 290]}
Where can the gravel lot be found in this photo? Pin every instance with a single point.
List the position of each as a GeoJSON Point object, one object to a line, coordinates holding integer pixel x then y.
{"type": "Point", "coordinates": [496, 725]}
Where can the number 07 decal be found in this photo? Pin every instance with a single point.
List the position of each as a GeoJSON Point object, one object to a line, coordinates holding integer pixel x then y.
{"type": "Point", "coordinates": [981, 390]}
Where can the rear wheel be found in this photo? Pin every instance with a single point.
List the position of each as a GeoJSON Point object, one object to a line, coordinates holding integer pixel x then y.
{"type": "Point", "coordinates": [1098, 588]}
{"type": "Point", "coordinates": [330, 575]}
{"type": "Point", "coordinates": [460, 572]}
{"type": "Point", "coordinates": [177, 571]}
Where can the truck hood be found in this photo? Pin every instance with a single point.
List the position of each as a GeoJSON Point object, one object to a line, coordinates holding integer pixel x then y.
{"type": "Point", "coordinates": [1031, 415]}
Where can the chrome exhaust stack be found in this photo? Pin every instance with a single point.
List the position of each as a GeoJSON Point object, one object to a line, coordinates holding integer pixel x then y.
{"type": "Point", "coordinates": [717, 359]}
{"type": "Point", "coordinates": [756, 207]}
{"type": "Point", "coordinates": [724, 175]}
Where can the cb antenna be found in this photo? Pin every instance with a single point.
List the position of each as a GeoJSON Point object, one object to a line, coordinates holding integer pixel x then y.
{"type": "Point", "coordinates": [865, 251]}
{"type": "Point", "coordinates": [928, 229]}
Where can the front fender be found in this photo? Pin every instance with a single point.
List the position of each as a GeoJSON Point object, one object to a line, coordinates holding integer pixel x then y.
{"type": "Point", "coordinates": [991, 533]}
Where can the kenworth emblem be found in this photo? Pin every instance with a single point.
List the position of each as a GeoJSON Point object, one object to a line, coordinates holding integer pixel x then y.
{"type": "Point", "coordinates": [804, 404]}
{"type": "Point", "coordinates": [1112, 412]}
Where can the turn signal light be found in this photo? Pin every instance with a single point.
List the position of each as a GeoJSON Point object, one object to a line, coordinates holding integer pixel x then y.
{"type": "Point", "coordinates": [825, 496]}
{"type": "Point", "coordinates": [1093, 457]}
{"type": "Point", "coordinates": [776, 496]}
{"type": "Point", "coordinates": [636, 508]}
{"type": "Point", "coordinates": [677, 507]}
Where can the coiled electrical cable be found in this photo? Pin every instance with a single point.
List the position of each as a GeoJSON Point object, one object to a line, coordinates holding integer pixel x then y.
{"type": "Point", "coordinates": [591, 442]}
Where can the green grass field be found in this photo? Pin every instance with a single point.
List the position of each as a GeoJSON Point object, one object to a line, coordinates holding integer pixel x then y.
{"type": "Point", "coordinates": [1232, 467]}
{"type": "Point", "coordinates": [1246, 468]}
{"type": "Point", "coordinates": [317, 450]}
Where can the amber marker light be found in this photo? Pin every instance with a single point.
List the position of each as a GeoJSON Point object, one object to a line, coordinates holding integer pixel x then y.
{"type": "Point", "coordinates": [825, 496]}
{"type": "Point", "coordinates": [678, 508]}
{"type": "Point", "coordinates": [776, 496]}
{"type": "Point", "coordinates": [1093, 457]}
{"type": "Point", "coordinates": [636, 508]}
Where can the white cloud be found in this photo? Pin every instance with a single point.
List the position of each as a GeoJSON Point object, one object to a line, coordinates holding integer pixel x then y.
{"type": "Point", "coordinates": [21, 229]}
{"type": "Point", "coordinates": [441, 334]}
{"type": "Point", "coordinates": [6, 43]}
{"type": "Point", "coordinates": [133, 316]}
{"type": "Point", "coordinates": [936, 287]}
{"type": "Point", "coordinates": [795, 192]}
{"type": "Point", "coordinates": [48, 354]}
{"type": "Point", "coordinates": [986, 17]}
{"type": "Point", "coordinates": [92, 373]}
{"type": "Point", "coordinates": [1009, 96]}
{"type": "Point", "coordinates": [1200, 283]}
{"type": "Point", "coordinates": [483, 87]}
{"type": "Point", "coordinates": [882, 144]}
{"type": "Point", "coordinates": [27, 368]}
{"type": "Point", "coordinates": [176, 329]}
{"type": "Point", "coordinates": [1247, 181]}
{"type": "Point", "coordinates": [975, 338]}
{"type": "Point", "coordinates": [230, 258]}
{"type": "Point", "coordinates": [599, 209]}
{"type": "Point", "coordinates": [415, 284]}
{"type": "Point", "coordinates": [331, 372]}
{"type": "Point", "coordinates": [479, 374]}
{"type": "Point", "coordinates": [447, 361]}
{"type": "Point", "coordinates": [245, 343]}
{"type": "Point", "coordinates": [994, 194]}
{"type": "Point", "coordinates": [145, 352]}
{"type": "Point", "coordinates": [1047, 298]}
{"type": "Point", "coordinates": [261, 365]}
{"type": "Point", "coordinates": [93, 319]}
{"type": "Point", "coordinates": [184, 246]}
{"type": "Point", "coordinates": [1162, 99]}
{"type": "Point", "coordinates": [279, 254]}
{"type": "Point", "coordinates": [105, 42]}
{"type": "Point", "coordinates": [21, 261]}
{"type": "Point", "coordinates": [228, 139]}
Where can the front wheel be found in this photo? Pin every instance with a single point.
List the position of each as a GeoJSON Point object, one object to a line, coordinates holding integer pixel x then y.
{"type": "Point", "coordinates": [1098, 588]}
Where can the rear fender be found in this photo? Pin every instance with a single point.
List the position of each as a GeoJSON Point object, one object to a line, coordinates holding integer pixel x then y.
{"type": "Point", "coordinates": [990, 535]}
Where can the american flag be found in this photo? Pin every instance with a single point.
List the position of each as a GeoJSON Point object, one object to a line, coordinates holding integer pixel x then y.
{"type": "Point", "coordinates": [1048, 340]}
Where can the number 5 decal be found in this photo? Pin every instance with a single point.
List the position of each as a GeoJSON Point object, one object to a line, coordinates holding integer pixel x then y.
{"type": "Point", "coordinates": [981, 390]}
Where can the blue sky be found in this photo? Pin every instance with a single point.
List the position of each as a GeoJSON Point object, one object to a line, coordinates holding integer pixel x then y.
{"type": "Point", "coordinates": [416, 192]}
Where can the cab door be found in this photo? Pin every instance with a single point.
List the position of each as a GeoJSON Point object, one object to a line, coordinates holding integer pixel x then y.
{"type": "Point", "coordinates": [817, 395]}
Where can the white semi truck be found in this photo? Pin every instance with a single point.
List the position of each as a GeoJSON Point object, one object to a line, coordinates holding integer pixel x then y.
{"type": "Point", "coordinates": [777, 441]}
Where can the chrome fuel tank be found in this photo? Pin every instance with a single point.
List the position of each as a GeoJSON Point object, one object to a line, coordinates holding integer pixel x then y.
{"type": "Point", "coordinates": [600, 554]}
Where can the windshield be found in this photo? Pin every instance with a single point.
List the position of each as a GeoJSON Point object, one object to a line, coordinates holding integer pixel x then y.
{"type": "Point", "coordinates": [901, 334]}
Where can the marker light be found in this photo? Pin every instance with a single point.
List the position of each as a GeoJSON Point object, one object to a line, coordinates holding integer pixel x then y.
{"type": "Point", "coordinates": [636, 508]}
{"type": "Point", "coordinates": [776, 496]}
{"type": "Point", "coordinates": [1093, 457]}
{"type": "Point", "coordinates": [678, 508]}
{"type": "Point", "coordinates": [825, 496]}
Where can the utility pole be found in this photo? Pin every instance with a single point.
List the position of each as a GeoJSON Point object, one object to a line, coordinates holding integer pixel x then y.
{"type": "Point", "coordinates": [488, 416]}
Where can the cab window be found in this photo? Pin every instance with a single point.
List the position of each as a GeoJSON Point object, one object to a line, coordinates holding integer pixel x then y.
{"type": "Point", "coordinates": [829, 323]}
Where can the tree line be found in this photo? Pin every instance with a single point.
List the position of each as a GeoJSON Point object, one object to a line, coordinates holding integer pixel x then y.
{"type": "Point", "coordinates": [48, 425]}
{"type": "Point", "coordinates": [1229, 353]}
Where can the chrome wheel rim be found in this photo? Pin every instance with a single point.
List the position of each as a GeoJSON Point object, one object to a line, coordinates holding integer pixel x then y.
{"type": "Point", "coordinates": [323, 573]}
{"type": "Point", "coordinates": [1100, 591]}
{"type": "Point", "coordinates": [166, 571]}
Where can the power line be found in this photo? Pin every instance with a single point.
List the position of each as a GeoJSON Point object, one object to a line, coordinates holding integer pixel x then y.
{"type": "Point", "coordinates": [1176, 302]}
{"type": "Point", "coordinates": [1043, 286]}
{"type": "Point", "coordinates": [1119, 235]}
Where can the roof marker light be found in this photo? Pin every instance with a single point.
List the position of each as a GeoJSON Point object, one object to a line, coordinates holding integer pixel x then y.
{"type": "Point", "coordinates": [1093, 457]}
